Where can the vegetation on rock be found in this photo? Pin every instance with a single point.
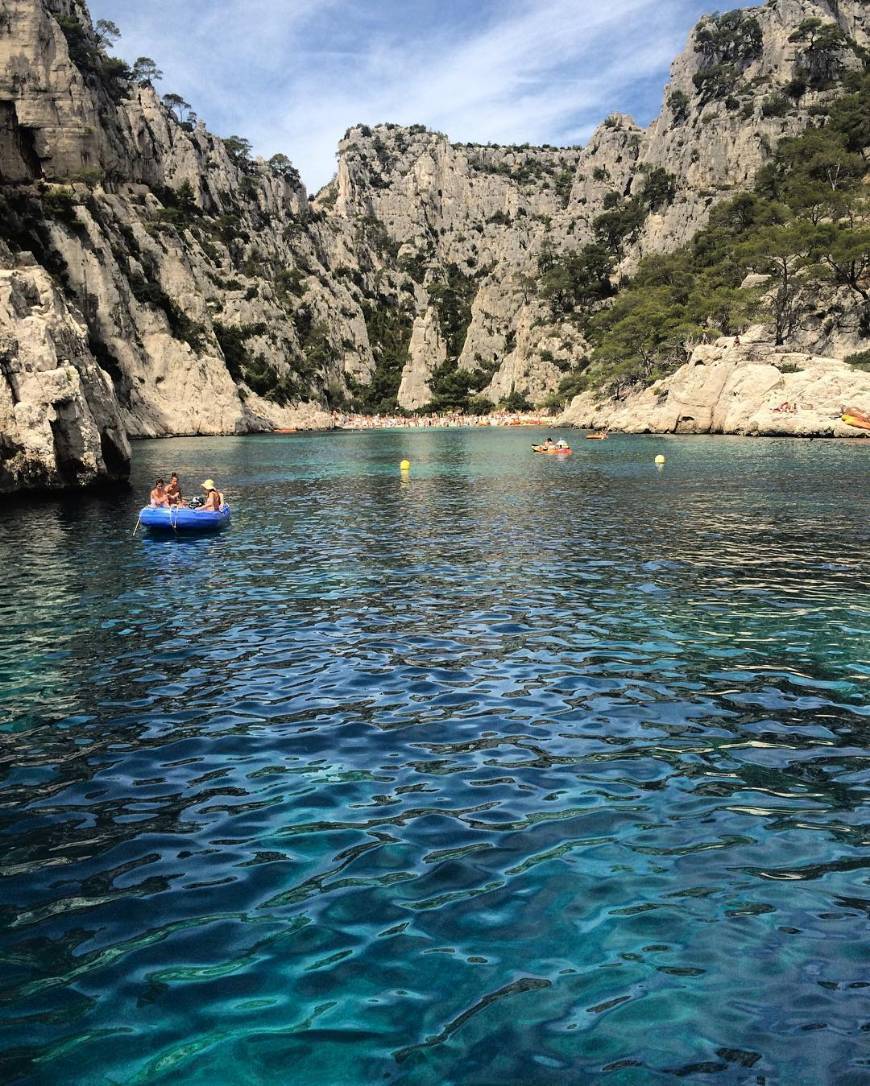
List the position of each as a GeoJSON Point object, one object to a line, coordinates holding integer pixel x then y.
{"type": "Point", "coordinates": [807, 223]}
{"type": "Point", "coordinates": [389, 326]}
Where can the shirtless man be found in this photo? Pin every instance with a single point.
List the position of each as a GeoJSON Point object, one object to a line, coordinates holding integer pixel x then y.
{"type": "Point", "coordinates": [159, 496]}
{"type": "Point", "coordinates": [173, 490]}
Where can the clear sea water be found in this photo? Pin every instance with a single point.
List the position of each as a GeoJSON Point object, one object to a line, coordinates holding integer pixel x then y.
{"type": "Point", "coordinates": [518, 770]}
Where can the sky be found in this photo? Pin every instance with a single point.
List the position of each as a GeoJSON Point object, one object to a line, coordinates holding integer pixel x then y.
{"type": "Point", "coordinates": [293, 75]}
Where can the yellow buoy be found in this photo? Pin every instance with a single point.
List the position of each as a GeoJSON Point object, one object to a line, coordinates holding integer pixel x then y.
{"type": "Point", "coordinates": [405, 465]}
{"type": "Point", "coordinates": [660, 459]}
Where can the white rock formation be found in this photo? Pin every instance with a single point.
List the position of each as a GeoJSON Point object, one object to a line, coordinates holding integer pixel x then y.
{"type": "Point", "coordinates": [727, 388]}
{"type": "Point", "coordinates": [59, 422]}
{"type": "Point", "coordinates": [425, 354]}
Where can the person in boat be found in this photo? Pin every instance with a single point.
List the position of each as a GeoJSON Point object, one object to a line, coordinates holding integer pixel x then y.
{"type": "Point", "coordinates": [159, 497]}
{"type": "Point", "coordinates": [561, 444]}
{"type": "Point", "coordinates": [173, 490]}
{"type": "Point", "coordinates": [214, 499]}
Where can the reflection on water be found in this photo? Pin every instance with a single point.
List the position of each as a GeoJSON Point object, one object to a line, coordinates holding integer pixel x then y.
{"type": "Point", "coordinates": [517, 770]}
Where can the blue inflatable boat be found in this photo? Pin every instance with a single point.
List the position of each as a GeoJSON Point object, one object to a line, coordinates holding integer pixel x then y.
{"type": "Point", "coordinates": [179, 520]}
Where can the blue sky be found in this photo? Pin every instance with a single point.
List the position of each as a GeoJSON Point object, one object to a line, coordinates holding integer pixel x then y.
{"type": "Point", "coordinates": [292, 75]}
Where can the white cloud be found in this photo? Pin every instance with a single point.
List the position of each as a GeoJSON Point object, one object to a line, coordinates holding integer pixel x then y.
{"type": "Point", "coordinates": [292, 76]}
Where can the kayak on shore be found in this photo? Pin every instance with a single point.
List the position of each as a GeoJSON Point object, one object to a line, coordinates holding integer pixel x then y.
{"type": "Point", "coordinates": [853, 416]}
{"type": "Point", "coordinates": [178, 520]}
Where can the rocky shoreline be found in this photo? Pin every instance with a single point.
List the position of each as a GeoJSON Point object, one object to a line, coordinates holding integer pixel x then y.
{"type": "Point", "coordinates": [744, 387]}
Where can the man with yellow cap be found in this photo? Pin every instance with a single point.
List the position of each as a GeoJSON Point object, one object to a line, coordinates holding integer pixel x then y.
{"type": "Point", "coordinates": [214, 499]}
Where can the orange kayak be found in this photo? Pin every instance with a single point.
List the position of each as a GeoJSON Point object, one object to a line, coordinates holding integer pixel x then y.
{"type": "Point", "coordinates": [854, 416]}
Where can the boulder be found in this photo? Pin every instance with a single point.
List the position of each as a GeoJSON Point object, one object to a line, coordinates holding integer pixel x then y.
{"type": "Point", "coordinates": [749, 387]}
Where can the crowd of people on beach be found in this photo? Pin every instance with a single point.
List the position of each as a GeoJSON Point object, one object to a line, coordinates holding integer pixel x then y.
{"type": "Point", "coordinates": [349, 421]}
{"type": "Point", "coordinates": [167, 495]}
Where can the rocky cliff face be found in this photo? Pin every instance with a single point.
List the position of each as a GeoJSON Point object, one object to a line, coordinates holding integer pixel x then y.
{"type": "Point", "coordinates": [59, 422]}
{"type": "Point", "coordinates": [750, 387]}
{"type": "Point", "coordinates": [199, 273]}
{"type": "Point", "coordinates": [218, 298]}
{"type": "Point", "coordinates": [492, 212]}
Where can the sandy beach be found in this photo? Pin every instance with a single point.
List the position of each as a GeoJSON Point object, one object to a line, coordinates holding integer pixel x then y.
{"type": "Point", "coordinates": [345, 421]}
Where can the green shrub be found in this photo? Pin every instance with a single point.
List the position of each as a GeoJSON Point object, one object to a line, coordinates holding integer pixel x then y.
{"type": "Point", "coordinates": [516, 401]}
{"type": "Point", "coordinates": [453, 295]}
{"type": "Point", "coordinates": [578, 278]}
{"type": "Point", "coordinates": [183, 328]}
{"type": "Point", "coordinates": [733, 38]}
{"type": "Point", "coordinates": [82, 48]}
{"type": "Point", "coordinates": [659, 189]}
{"type": "Point", "coordinates": [777, 105]}
{"type": "Point", "coordinates": [61, 204]}
{"type": "Point", "coordinates": [389, 326]}
{"type": "Point", "coordinates": [261, 377]}
{"type": "Point", "coordinates": [572, 384]}
{"type": "Point", "coordinates": [859, 361]}
{"type": "Point", "coordinates": [678, 104]}
{"type": "Point", "coordinates": [821, 62]}
{"type": "Point", "coordinates": [564, 184]}
{"type": "Point", "coordinates": [614, 228]}
{"type": "Point", "coordinates": [715, 82]}
{"type": "Point", "coordinates": [796, 88]}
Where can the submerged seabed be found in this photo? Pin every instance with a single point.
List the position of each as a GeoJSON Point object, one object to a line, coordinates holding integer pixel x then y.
{"type": "Point", "coordinates": [518, 770]}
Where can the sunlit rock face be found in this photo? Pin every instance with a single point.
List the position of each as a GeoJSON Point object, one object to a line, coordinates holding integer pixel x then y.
{"type": "Point", "coordinates": [747, 387]}
{"type": "Point", "coordinates": [59, 419]}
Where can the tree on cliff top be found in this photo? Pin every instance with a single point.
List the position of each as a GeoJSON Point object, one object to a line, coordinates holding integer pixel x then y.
{"type": "Point", "coordinates": [177, 106]}
{"type": "Point", "coordinates": [733, 38]}
{"type": "Point", "coordinates": [782, 253]}
{"type": "Point", "coordinates": [145, 72]}
{"type": "Point", "coordinates": [107, 33]}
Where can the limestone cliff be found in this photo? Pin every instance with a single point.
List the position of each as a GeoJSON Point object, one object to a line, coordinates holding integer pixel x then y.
{"type": "Point", "coordinates": [59, 423]}
{"type": "Point", "coordinates": [750, 387]}
{"type": "Point", "coordinates": [492, 212]}
{"type": "Point", "coordinates": [200, 274]}
{"type": "Point", "coordinates": [219, 298]}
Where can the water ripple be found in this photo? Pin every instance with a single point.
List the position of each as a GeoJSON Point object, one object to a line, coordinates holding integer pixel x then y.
{"type": "Point", "coordinates": [511, 771]}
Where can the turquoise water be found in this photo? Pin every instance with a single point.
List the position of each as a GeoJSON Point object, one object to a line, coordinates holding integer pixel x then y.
{"type": "Point", "coordinates": [519, 770]}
